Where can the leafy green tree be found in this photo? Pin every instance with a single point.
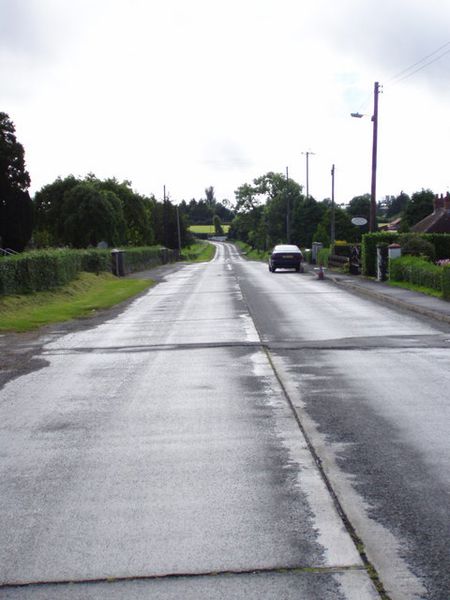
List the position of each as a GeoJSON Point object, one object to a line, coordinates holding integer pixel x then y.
{"type": "Point", "coordinates": [359, 206]}
{"type": "Point", "coordinates": [396, 205]}
{"type": "Point", "coordinates": [270, 203]}
{"type": "Point", "coordinates": [344, 228]}
{"type": "Point", "coordinates": [91, 215]}
{"type": "Point", "coordinates": [306, 218]}
{"type": "Point", "coordinates": [420, 206]}
{"type": "Point", "coordinates": [217, 223]}
{"type": "Point", "coordinates": [16, 209]}
{"type": "Point", "coordinates": [223, 210]}
{"type": "Point", "coordinates": [133, 213]}
{"type": "Point", "coordinates": [164, 218]}
{"type": "Point", "coordinates": [138, 230]}
{"type": "Point", "coordinates": [200, 213]}
{"type": "Point", "coordinates": [49, 210]}
{"type": "Point", "coordinates": [210, 198]}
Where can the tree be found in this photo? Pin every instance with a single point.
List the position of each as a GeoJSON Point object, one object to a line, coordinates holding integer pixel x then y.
{"type": "Point", "coordinates": [395, 205]}
{"type": "Point", "coordinates": [344, 229]}
{"type": "Point", "coordinates": [16, 209]}
{"type": "Point", "coordinates": [49, 211]}
{"type": "Point", "coordinates": [138, 227]}
{"type": "Point", "coordinates": [133, 214]}
{"type": "Point", "coordinates": [270, 203]}
{"type": "Point", "coordinates": [210, 199]}
{"type": "Point", "coordinates": [200, 213]}
{"type": "Point", "coordinates": [359, 206]}
{"type": "Point", "coordinates": [306, 217]}
{"type": "Point", "coordinates": [165, 220]}
{"type": "Point", "coordinates": [91, 215]}
{"type": "Point", "coordinates": [218, 230]}
{"type": "Point", "coordinates": [420, 206]}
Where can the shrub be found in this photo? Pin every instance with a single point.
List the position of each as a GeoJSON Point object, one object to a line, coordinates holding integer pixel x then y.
{"type": "Point", "coordinates": [322, 256]}
{"type": "Point", "coordinates": [417, 271]}
{"type": "Point", "coordinates": [369, 250]}
{"type": "Point", "coordinates": [416, 245]}
{"type": "Point", "coordinates": [440, 241]}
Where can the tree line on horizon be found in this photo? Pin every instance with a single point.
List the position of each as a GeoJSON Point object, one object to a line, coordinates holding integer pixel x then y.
{"type": "Point", "coordinates": [273, 209]}
{"type": "Point", "coordinates": [82, 212]}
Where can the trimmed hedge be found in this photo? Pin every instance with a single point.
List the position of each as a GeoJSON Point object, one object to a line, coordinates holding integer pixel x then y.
{"type": "Point", "coordinates": [140, 259]}
{"type": "Point", "coordinates": [41, 270]}
{"type": "Point", "coordinates": [417, 271]}
{"type": "Point", "coordinates": [440, 241]}
{"type": "Point", "coordinates": [38, 271]}
{"type": "Point", "coordinates": [446, 282]}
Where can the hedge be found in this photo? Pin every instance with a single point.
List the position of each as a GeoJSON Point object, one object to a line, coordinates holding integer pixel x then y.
{"type": "Point", "coordinates": [38, 271]}
{"type": "Point", "coordinates": [446, 282]}
{"type": "Point", "coordinates": [139, 259]}
{"type": "Point", "coordinates": [41, 270]}
{"type": "Point", "coordinates": [417, 271]}
{"type": "Point", "coordinates": [440, 241]}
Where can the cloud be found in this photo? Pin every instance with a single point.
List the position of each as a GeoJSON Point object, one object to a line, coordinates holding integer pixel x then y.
{"type": "Point", "coordinates": [390, 35]}
{"type": "Point", "coordinates": [216, 93]}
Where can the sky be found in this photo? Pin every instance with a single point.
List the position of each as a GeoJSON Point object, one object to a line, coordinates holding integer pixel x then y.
{"type": "Point", "coordinates": [192, 94]}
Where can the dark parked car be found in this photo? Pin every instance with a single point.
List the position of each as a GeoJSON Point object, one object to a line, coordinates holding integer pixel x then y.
{"type": "Point", "coordinates": [285, 256]}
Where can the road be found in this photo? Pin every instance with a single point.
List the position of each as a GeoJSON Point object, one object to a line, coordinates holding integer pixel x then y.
{"type": "Point", "coordinates": [221, 437]}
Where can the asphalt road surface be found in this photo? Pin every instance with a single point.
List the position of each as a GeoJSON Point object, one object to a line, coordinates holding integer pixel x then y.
{"type": "Point", "coordinates": [219, 438]}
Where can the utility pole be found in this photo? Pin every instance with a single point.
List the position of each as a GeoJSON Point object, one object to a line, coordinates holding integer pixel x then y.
{"type": "Point", "coordinates": [165, 221]}
{"type": "Point", "coordinates": [179, 233]}
{"type": "Point", "coordinates": [288, 224]}
{"type": "Point", "coordinates": [307, 171]}
{"type": "Point", "coordinates": [373, 189]}
{"type": "Point", "coordinates": [333, 215]}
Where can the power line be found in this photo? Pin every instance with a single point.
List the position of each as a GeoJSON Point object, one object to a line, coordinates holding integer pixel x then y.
{"type": "Point", "coordinates": [404, 74]}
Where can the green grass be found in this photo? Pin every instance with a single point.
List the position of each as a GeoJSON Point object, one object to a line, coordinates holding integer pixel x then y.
{"type": "Point", "coordinates": [199, 252]}
{"type": "Point", "coordinates": [207, 229]}
{"type": "Point", "coordinates": [416, 288]}
{"type": "Point", "coordinates": [80, 298]}
{"type": "Point", "coordinates": [251, 253]}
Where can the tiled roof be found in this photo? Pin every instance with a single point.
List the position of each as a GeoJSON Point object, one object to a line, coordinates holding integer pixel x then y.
{"type": "Point", "coordinates": [437, 222]}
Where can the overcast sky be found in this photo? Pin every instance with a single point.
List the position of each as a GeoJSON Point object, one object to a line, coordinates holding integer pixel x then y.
{"type": "Point", "coordinates": [193, 93]}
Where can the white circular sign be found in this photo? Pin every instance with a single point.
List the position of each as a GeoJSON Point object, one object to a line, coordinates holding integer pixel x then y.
{"type": "Point", "coordinates": [359, 221]}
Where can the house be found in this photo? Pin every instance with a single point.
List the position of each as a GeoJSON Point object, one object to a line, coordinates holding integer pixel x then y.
{"type": "Point", "coordinates": [392, 226]}
{"type": "Point", "coordinates": [439, 220]}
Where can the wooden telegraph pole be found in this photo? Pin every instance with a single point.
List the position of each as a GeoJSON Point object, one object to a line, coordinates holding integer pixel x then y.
{"type": "Point", "coordinates": [373, 189]}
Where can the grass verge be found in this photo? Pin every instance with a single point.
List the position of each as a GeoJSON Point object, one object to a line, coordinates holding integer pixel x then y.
{"type": "Point", "coordinates": [252, 253]}
{"type": "Point", "coordinates": [80, 298]}
{"type": "Point", "coordinates": [416, 288]}
{"type": "Point", "coordinates": [199, 252]}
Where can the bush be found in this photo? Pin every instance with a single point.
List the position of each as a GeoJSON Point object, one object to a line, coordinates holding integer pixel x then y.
{"type": "Point", "coordinates": [322, 256]}
{"type": "Point", "coordinates": [417, 271]}
{"type": "Point", "coordinates": [416, 245]}
{"type": "Point", "coordinates": [440, 241]}
{"type": "Point", "coordinates": [369, 250]}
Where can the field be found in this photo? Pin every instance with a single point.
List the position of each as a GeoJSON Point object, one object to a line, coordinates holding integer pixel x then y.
{"type": "Point", "coordinates": [207, 229]}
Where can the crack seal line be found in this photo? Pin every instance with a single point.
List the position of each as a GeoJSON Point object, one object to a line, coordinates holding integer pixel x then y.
{"type": "Point", "coordinates": [118, 579]}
